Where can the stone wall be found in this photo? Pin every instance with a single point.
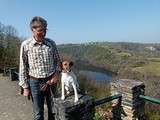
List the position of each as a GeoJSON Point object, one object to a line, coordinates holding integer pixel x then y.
{"type": "Point", "coordinates": [68, 110]}
{"type": "Point", "coordinates": [131, 106]}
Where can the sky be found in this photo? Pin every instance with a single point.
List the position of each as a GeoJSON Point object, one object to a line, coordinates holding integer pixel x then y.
{"type": "Point", "coordinates": [81, 21]}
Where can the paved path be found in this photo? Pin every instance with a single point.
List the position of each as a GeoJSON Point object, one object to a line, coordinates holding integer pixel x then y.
{"type": "Point", "coordinates": [13, 106]}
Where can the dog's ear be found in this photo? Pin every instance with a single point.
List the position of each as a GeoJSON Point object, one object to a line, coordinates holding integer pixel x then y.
{"type": "Point", "coordinates": [60, 65]}
{"type": "Point", "coordinates": [71, 64]}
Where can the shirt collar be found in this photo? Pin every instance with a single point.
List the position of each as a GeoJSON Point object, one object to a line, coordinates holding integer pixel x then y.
{"type": "Point", "coordinates": [34, 42]}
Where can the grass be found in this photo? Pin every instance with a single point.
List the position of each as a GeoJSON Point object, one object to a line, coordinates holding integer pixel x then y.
{"type": "Point", "coordinates": [97, 117]}
{"type": "Point", "coordinates": [96, 89]}
{"type": "Point", "coordinates": [124, 54]}
{"type": "Point", "coordinates": [152, 68]}
{"type": "Point", "coordinates": [154, 59]}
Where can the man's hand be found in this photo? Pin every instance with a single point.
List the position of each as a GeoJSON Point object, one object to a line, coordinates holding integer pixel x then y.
{"type": "Point", "coordinates": [26, 92]}
{"type": "Point", "coordinates": [44, 87]}
{"type": "Point", "coordinates": [54, 79]}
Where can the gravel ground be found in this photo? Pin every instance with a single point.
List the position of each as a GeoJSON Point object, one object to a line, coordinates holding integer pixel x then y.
{"type": "Point", "coordinates": [13, 106]}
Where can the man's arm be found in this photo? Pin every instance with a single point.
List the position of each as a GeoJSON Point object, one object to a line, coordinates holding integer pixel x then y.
{"type": "Point", "coordinates": [57, 60]}
{"type": "Point", "coordinates": [23, 68]}
{"type": "Point", "coordinates": [57, 63]}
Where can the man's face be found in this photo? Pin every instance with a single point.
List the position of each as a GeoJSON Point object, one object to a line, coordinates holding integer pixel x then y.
{"type": "Point", "coordinates": [38, 31]}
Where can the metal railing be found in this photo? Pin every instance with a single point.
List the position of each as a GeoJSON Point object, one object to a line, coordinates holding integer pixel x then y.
{"type": "Point", "coordinates": [14, 75]}
{"type": "Point", "coordinates": [150, 99]}
{"type": "Point", "coordinates": [107, 99]}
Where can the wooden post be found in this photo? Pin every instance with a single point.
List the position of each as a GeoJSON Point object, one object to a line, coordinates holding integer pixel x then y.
{"type": "Point", "coordinates": [132, 107]}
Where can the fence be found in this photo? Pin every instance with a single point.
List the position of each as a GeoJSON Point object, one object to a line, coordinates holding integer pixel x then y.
{"type": "Point", "coordinates": [127, 96]}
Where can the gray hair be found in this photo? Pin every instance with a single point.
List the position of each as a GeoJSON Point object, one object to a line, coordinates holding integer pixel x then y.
{"type": "Point", "coordinates": [40, 20]}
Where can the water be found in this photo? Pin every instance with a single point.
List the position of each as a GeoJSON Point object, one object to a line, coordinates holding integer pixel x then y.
{"type": "Point", "coordinates": [98, 76]}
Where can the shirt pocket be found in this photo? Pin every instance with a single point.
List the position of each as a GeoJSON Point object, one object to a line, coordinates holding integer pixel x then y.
{"type": "Point", "coordinates": [48, 55]}
{"type": "Point", "coordinates": [33, 56]}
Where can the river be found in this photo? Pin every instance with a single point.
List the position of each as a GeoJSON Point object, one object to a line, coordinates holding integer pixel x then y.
{"type": "Point", "coordinates": [98, 76]}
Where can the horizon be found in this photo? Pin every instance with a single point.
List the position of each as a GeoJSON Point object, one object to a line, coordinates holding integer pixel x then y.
{"type": "Point", "coordinates": [87, 21]}
{"type": "Point", "coordinates": [90, 42]}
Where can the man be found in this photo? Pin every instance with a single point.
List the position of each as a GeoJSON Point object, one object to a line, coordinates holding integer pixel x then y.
{"type": "Point", "coordinates": [39, 61]}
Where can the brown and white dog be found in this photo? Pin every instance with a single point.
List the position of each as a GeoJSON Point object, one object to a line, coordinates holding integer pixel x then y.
{"type": "Point", "coordinates": [69, 80]}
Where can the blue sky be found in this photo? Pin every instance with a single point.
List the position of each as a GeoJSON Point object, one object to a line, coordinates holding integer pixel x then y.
{"type": "Point", "coordinates": [79, 21]}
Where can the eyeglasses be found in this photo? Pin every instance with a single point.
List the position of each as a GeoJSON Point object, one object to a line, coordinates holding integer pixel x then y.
{"type": "Point", "coordinates": [39, 28]}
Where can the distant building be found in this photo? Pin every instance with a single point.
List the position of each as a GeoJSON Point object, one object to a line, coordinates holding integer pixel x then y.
{"type": "Point", "coordinates": [151, 48]}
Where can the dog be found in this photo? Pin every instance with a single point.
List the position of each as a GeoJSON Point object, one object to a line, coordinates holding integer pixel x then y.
{"type": "Point", "coordinates": [68, 80]}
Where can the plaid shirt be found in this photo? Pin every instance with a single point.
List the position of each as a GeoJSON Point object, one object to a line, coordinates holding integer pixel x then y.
{"type": "Point", "coordinates": [37, 60]}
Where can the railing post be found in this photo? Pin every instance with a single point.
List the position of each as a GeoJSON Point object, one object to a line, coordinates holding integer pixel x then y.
{"type": "Point", "coordinates": [5, 71]}
{"type": "Point", "coordinates": [131, 106]}
{"type": "Point", "coordinates": [13, 75]}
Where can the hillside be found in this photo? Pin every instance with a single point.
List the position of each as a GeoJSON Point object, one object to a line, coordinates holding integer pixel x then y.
{"type": "Point", "coordinates": [112, 56]}
{"type": "Point", "coordinates": [127, 60]}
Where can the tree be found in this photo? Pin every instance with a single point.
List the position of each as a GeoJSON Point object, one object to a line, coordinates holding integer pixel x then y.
{"type": "Point", "coordinates": [9, 46]}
